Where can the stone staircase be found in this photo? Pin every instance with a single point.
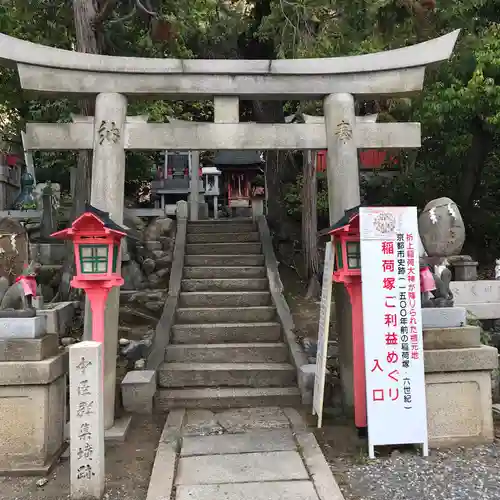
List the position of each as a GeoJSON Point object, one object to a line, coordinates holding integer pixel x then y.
{"type": "Point", "coordinates": [227, 346]}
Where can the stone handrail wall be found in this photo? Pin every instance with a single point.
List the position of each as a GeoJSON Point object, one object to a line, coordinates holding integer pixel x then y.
{"type": "Point", "coordinates": [163, 328]}
{"type": "Point", "coordinates": [298, 357]}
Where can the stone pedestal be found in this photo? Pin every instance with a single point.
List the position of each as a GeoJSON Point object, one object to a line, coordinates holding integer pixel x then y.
{"type": "Point", "coordinates": [22, 328]}
{"type": "Point", "coordinates": [257, 207]}
{"type": "Point", "coordinates": [58, 316]}
{"type": "Point", "coordinates": [458, 387]}
{"type": "Point", "coordinates": [138, 390]}
{"type": "Point", "coordinates": [32, 406]}
{"type": "Point", "coordinates": [465, 271]}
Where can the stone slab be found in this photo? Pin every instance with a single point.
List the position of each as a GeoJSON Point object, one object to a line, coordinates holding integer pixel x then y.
{"type": "Point", "coordinates": [22, 328]}
{"type": "Point", "coordinates": [459, 410]}
{"type": "Point", "coordinates": [162, 475]}
{"type": "Point", "coordinates": [217, 469]}
{"type": "Point", "coordinates": [452, 338]}
{"type": "Point", "coordinates": [443, 317]}
{"type": "Point", "coordinates": [59, 317]}
{"type": "Point", "coordinates": [33, 372]}
{"type": "Point", "coordinates": [475, 292]}
{"type": "Point", "coordinates": [244, 419]}
{"type": "Point", "coordinates": [318, 468]}
{"type": "Point", "coordinates": [483, 358]}
{"type": "Point", "coordinates": [29, 349]}
{"type": "Point", "coordinates": [201, 423]}
{"type": "Point", "coordinates": [249, 442]}
{"type": "Point", "coordinates": [117, 433]}
{"type": "Point", "coordinates": [286, 490]}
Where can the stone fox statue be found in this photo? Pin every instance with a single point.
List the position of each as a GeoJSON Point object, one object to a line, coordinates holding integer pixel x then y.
{"type": "Point", "coordinates": [19, 295]}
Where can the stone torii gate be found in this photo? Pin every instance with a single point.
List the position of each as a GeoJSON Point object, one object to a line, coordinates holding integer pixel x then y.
{"type": "Point", "coordinates": [111, 80]}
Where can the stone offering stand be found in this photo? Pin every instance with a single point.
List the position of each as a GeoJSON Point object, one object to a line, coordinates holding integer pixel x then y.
{"type": "Point", "coordinates": [458, 379]}
{"type": "Point", "coordinates": [32, 396]}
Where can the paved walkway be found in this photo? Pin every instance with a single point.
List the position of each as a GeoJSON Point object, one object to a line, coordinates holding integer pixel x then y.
{"type": "Point", "coordinates": [242, 454]}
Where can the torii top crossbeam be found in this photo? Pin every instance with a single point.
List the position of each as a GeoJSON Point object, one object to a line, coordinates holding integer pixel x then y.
{"type": "Point", "coordinates": [50, 70]}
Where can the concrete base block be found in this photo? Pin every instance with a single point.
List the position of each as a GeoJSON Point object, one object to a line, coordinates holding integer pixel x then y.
{"type": "Point", "coordinates": [459, 408]}
{"type": "Point", "coordinates": [484, 358]}
{"type": "Point", "coordinates": [465, 271]}
{"type": "Point", "coordinates": [458, 390]}
{"type": "Point", "coordinates": [58, 316]}
{"type": "Point", "coordinates": [22, 328]}
{"type": "Point", "coordinates": [452, 338]}
{"type": "Point", "coordinates": [306, 376]}
{"type": "Point", "coordinates": [32, 416]}
{"type": "Point", "coordinates": [138, 390]}
{"type": "Point", "coordinates": [29, 349]}
{"type": "Point", "coordinates": [443, 317]}
{"type": "Point", "coordinates": [118, 433]}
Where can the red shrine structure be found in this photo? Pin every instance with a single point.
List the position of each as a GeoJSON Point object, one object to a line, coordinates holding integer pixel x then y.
{"type": "Point", "coordinates": [96, 239]}
{"type": "Point", "coordinates": [347, 270]}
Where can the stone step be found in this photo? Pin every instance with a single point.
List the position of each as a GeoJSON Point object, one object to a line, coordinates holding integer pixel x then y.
{"type": "Point", "coordinates": [226, 314]}
{"type": "Point", "coordinates": [224, 260]}
{"type": "Point", "coordinates": [222, 237]}
{"type": "Point", "coordinates": [224, 299]}
{"type": "Point", "coordinates": [224, 227]}
{"type": "Point", "coordinates": [217, 333]}
{"type": "Point", "coordinates": [223, 248]}
{"type": "Point", "coordinates": [229, 397]}
{"type": "Point", "coordinates": [257, 352]}
{"type": "Point", "coordinates": [224, 272]}
{"type": "Point", "coordinates": [237, 284]}
{"type": "Point", "coordinates": [226, 375]}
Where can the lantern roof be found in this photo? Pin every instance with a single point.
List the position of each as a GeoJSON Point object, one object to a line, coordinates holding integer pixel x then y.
{"type": "Point", "coordinates": [350, 216]}
{"type": "Point", "coordinates": [95, 214]}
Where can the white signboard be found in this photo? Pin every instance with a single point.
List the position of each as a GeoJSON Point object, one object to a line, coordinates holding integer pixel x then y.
{"type": "Point", "coordinates": [394, 357]}
{"type": "Point", "coordinates": [323, 331]}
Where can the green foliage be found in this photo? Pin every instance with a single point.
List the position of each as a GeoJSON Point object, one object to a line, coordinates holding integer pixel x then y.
{"type": "Point", "coordinates": [459, 108]}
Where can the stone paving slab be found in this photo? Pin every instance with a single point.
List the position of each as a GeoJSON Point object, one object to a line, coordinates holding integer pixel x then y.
{"type": "Point", "coordinates": [292, 490]}
{"type": "Point", "coordinates": [218, 469]}
{"type": "Point", "coordinates": [244, 419]}
{"type": "Point", "coordinates": [204, 422]}
{"type": "Point", "coordinates": [250, 442]}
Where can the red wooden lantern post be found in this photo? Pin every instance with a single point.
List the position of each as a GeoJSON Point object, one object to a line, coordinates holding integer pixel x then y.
{"type": "Point", "coordinates": [96, 239]}
{"type": "Point", "coordinates": [346, 240]}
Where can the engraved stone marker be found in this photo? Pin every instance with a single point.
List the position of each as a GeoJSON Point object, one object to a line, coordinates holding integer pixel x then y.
{"type": "Point", "coordinates": [86, 421]}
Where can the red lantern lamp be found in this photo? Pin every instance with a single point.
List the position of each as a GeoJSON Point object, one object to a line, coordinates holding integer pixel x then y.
{"type": "Point", "coordinates": [96, 239]}
{"type": "Point", "coordinates": [346, 240]}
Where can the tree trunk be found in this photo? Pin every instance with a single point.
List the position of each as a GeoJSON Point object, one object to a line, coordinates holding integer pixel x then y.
{"type": "Point", "coordinates": [86, 41]}
{"type": "Point", "coordinates": [482, 142]}
{"type": "Point", "coordinates": [310, 224]}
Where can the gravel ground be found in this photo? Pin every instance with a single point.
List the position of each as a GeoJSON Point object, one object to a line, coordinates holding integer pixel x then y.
{"type": "Point", "coordinates": [401, 474]}
{"type": "Point", "coordinates": [445, 475]}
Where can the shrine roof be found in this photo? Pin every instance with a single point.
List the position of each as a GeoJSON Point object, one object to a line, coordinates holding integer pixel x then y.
{"type": "Point", "coordinates": [239, 158]}
{"type": "Point", "coordinates": [102, 216]}
{"type": "Point", "coordinates": [346, 219]}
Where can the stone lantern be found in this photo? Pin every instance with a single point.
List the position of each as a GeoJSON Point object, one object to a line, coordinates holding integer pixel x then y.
{"type": "Point", "coordinates": [211, 183]}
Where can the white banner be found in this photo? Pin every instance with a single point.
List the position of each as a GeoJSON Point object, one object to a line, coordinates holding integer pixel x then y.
{"type": "Point", "coordinates": [394, 356]}
{"type": "Point", "coordinates": [323, 332]}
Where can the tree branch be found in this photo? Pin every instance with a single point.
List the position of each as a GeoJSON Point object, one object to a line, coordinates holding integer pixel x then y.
{"type": "Point", "coordinates": [144, 9]}
{"type": "Point", "coordinates": [124, 18]}
{"type": "Point", "coordinates": [105, 12]}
